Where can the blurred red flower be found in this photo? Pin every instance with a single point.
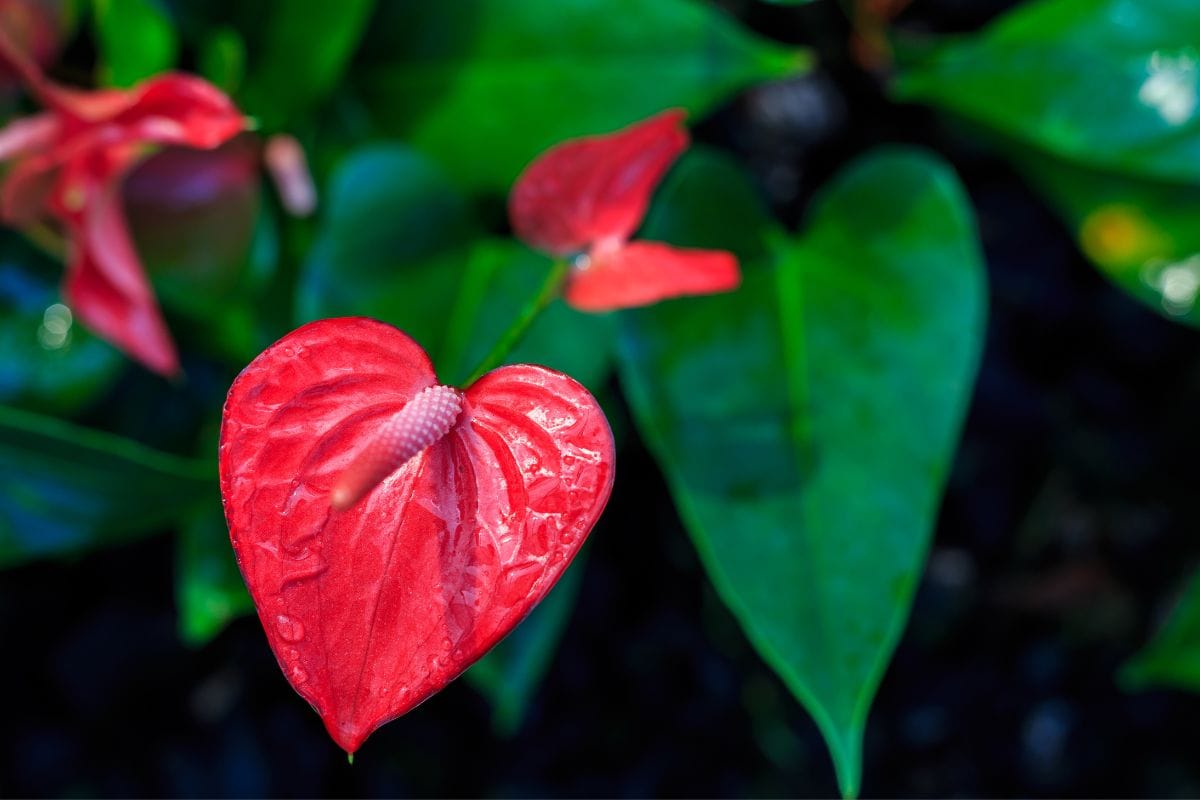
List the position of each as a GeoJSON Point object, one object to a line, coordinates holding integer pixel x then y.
{"type": "Point", "coordinates": [586, 197]}
{"type": "Point", "coordinates": [69, 162]}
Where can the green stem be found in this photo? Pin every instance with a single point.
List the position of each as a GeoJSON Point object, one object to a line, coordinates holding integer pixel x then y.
{"type": "Point", "coordinates": [550, 289]}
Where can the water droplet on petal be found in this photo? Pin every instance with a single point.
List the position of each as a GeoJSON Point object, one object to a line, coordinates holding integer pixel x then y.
{"type": "Point", "coordinates": [290, 630]}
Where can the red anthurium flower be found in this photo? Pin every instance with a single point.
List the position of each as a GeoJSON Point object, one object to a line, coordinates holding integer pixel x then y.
{"type": "Point", "coordinates": [586, 197]}
{"type": "Point", "coordinates": [391, 530]}
{"type": "Point", "coordinates": [68, 165]}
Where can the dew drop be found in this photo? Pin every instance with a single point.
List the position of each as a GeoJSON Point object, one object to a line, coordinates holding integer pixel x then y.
{"type": "Point", "coordinates": [290, 630]}
{"type": "Point", "coordinates": [298, 674]}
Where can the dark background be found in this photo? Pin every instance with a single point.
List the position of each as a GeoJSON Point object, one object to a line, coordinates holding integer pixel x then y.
{"type": "Point", "coordinates": [1063, 535]}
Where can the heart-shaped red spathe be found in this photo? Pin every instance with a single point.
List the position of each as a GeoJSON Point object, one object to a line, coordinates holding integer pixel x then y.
{"type": "Point", "coordinates": [373, 609]}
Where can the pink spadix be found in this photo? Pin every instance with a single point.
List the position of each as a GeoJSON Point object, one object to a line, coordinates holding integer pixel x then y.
{"type": "Point", "coordinates": [426, 419]}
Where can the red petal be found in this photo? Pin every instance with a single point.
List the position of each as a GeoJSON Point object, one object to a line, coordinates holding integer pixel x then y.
{"type": "Point", "coordinates": [171, 108]}
{"type": "Point", "coordinates": [597, 187]}
{"type": "Point", "coordinates": [27, 135]}
{"type": "Point", "coordinates": [107, 289]}
{"type": "Point", "coordinates": [641, 273]}
{"type": "Point", "coordinates": [372, 610]}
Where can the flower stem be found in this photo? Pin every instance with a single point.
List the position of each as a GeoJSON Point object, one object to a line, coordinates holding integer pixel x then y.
{"type": "Point", "coordinates": [549, 290]}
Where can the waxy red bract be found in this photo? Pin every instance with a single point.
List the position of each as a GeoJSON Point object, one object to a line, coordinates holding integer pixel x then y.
{"type": "Point", "coordinates": [69, 163]}
{"type": "Point", "coordinates": [373, 609]}
{"type": "Point", "coordinates": [588, 196]}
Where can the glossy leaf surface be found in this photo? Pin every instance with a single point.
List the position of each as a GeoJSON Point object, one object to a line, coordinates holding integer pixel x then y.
{"type": "Point", "coordinates": [64, 489]}
{"type": "Point", "coordinates": [807, 421]}
{"type": "Point", "coordinates": [373, 609]}
{"type": "Point", "coordinates": [485, 93]}
{"type": "Point", "coordinates": [1108, 83]}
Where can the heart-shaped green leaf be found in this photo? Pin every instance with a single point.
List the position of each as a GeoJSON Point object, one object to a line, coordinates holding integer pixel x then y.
{"type": "Point", "coordinates": [806, 423]}
{"type": "Point", "coordinates": [1108, 83]}
{"type": "Point", "coordinates": [65, 489]}
{"type": "Point", "coordinates": [485, 92]}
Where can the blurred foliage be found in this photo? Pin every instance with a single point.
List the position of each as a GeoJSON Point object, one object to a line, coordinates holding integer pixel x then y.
{"type": "Point", "coordinates": [208, 587]}
{"type": "Point", "coordinates": [66, 489]}
{"type": "Point", "coordinates": [136, 38]}
{"type": "Point", "coordinates": [485, 85]}
{"type": "Point", "coordinates": [805, 423]}
{"type": "Point", "coordinates": [1172, 658]}
{"type": "Point", "coordinates": [1097, 102]}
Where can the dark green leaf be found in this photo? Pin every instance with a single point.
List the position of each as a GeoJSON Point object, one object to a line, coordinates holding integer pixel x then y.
{"type": "Point", "coordinates": [306, 50]}
{"type": "Point", "coordinates": [485, 86]}
{"type": "Point", "coordinates": [392, 245]}
{"type": "Point", "coordinates": [1108, 83]}
{"type": "Point", "coordinates": [1172, 658]}
{"type": "Point", "coordinates": [209, 588]}
{"type": "Point", "coordinates": [806, 422]}
{"type": "Point", "coordinates": [66, 489]}
{"type": "Point", "coordinates": [510, 674]}
{"type": "Point", "coordinates": [136, 39]}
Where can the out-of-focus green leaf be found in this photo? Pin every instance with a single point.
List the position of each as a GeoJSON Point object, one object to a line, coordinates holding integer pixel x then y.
{"type": "Point", "coordinates": [1108, 83]}
{"type": "Point", "coordinates": [1172, 658]}
{"type": "Point", "coordinates": [806, 422]}
{"type": "Point", "coordinates": [208, 586]}
{"type": "Point", "coordinates": [501, 278]}
{"type": "Point", "coordinates": [484, 86]}
{"type": "Point", "coordinates": [306, 49]}
{"type": "Point", "coordinates": [223, 59]}
{"type": "Point", "coordinates": [47, 361]}
{"type": "Point", "coordinates": [1142, 234]}
{"type": "Point", "coordinates": [136, 39]}
{"type": "Point", "coordinates": [509, 675]}
{"type": "Point", "coordinates": [392, 245]}
{"type": "Point", "coordinates": [65, 489]}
